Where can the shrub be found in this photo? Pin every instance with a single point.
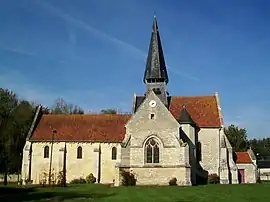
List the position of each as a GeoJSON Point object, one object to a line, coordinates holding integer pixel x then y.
{"type": "Point", "coordinates": [128, 178]}
{"type": "Point", "coordinates": [78, 181]}
{"type": "Point", "coordinates": [61, 179]}
{"type": "Point", "coordinates": [213, 179]}
{"type": "Point", "coordinates": [90, 179]}
{"type": "Point", "coordinates": [173, 182]}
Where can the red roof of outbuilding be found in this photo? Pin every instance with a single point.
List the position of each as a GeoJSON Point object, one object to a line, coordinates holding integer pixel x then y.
{"type": "Point", "coordinates": [243, 157]}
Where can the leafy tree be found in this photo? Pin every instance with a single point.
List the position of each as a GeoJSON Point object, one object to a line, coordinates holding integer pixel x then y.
{"type": "Point", "coordinates": [15, 119]}
{"type": "Point", "coordinates": [261, 147]}
{"type": "Point", "coordinates": [62, 107]}
{"type": "Point", "coordinates": [45, 110]}
{"type": "Point", "coordinates": [108, 111]}
{"type": "Point", "coordinates": [22, 119]}
{"type": "Point", "coordinates": [237, 137]}
{"type": "Point", "coordinates": [8, 103]}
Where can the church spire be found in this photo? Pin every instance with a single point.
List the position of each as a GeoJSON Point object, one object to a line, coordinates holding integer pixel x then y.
{"type": "Point", "coordinates": [155, 70]}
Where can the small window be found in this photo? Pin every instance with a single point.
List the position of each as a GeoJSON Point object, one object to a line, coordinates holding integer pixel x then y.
{"type": "Point", "coordinates": [79, 152]}
{"type": "Point", "coordinates": [46, 152]}
{"type": "Point", "coordinates": [114, 153]}
{"type": "Point", "coordinates": [152, 116]}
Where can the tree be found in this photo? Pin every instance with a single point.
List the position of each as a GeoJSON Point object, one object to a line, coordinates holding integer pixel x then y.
{"type": "Point", "coordinates": [108, 111]}
{"type": "Point", "coordinates": [237, 137]}
{"type": "Point", "coordinates": [15, 120]}
{"type": "Point", "coordinates": [261, 147]}
{"type": "Point", "coordinates": [62, 107]}
{"type": "Point", "coordinates": [45, 110]}
{"type": "Point", "coordinates": [8, 103]}
{"type": "Point", "coordinates": [22, 119]}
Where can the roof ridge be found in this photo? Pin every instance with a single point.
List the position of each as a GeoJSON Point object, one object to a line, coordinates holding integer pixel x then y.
{"type": "Point", "coordinates": [124, 114]}
{"type": "Point", "coordinates": [191, 96]}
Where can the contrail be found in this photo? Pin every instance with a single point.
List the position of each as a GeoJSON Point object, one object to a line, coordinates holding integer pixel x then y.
{"type": "Point", "coordinates": [99, 33]}
{"type": "Point", "coordinates": [18, 51]}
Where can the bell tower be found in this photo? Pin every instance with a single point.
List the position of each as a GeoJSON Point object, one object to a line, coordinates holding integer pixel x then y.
{"type": "Point", "coordinates": [155, 75]}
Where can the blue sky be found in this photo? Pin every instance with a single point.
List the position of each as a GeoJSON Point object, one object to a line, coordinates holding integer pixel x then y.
{"type": "Point", "coordinates": [92, 52]}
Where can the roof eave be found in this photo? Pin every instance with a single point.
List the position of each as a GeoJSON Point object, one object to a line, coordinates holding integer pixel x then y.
{"type": "Point", "coordinates": [88, 141]}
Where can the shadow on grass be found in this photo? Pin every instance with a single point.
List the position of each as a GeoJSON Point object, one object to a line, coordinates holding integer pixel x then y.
{"type": "Point", "coordinates": [31, 194]}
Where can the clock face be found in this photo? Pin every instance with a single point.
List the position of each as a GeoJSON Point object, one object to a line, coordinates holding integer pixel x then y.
{"type": "Point", "coordinates": [152, 103]}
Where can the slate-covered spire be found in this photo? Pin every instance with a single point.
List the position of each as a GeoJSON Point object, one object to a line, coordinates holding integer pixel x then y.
{"type": "Point", "coordinates": [185, 117]}
{"type": "Point", "coordinates": [155, 70]}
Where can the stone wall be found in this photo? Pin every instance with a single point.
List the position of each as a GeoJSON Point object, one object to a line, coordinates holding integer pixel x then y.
{"type": "Point", "coordinates": [162, 176]}
{"type": "Point", "coordinates": [75, 168]}
{"type": "Point", "coordinates": [173, 158]}
{"type": "Point", "coordinates": [250, 172]}
{"type": "Point", "coordinates": [209, 139]}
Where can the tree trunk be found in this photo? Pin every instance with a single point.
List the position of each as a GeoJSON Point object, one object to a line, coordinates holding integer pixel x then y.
{"type": "Point", "coordinates": [5, 178]}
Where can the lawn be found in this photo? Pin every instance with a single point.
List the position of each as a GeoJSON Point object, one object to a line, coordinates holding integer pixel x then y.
{"type": "Point", "coordinates": [96, 192]}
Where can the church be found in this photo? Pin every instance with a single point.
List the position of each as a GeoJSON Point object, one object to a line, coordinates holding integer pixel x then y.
{"type": "Point", "coordinates": [164, 137]}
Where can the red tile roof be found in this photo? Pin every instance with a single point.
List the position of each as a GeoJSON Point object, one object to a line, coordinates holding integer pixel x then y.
{"type": "Point", "coordinates": [111, 127]}
{"type": "Point", "coordinates": [202, 109]}
{"type": "Point", "coordinates": [243, 157]}
{"type": "Point", "coordinates": [98, 127]}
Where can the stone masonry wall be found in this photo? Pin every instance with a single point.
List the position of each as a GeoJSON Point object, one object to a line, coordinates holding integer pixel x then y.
{"type": "Point", "coordinates": [173, 159]}
{"type": "Point", "coordinates": [209, 138]}
{"type": "Point", "coordinates": [161, 176]}
{"type": "Point", "coordinates": [250, 172]}
{"type": "Point", "coordinates": [76, 168]}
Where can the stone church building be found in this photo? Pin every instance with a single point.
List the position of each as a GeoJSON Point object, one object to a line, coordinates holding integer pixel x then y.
{"type": "Point", "coordinates": [164, 137]}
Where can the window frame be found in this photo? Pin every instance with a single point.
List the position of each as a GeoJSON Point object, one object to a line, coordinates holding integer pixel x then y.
{"type": "Point", "coordinates": [46, 152]}
{"type": "Point", "coordinates": [79, 152]}
{"type": "Point", "coordinates": [152, 149]}
{"type": "Point", "coordinates": [114, 153]}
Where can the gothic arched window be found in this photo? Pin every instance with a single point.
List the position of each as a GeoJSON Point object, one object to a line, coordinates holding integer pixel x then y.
{"type": "Point", "coordinates": [152, 151]}
{"type": "Point", "coordinates": [114, 153]}
{"type": "Point", "coordinates": [46, 152]}
{"type": "Point", "coordinates": [79, 152]}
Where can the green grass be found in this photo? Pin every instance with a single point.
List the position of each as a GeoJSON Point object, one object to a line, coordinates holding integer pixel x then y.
{"type": "Point", "coordinates": [96, 192]}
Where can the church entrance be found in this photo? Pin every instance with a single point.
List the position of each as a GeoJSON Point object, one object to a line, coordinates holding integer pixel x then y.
{"type": "Point", "coordinates": [242, 176]}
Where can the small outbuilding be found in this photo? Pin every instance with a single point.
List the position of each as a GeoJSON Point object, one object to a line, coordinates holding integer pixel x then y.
{"type": "Point", "coordinates": [247, 169]}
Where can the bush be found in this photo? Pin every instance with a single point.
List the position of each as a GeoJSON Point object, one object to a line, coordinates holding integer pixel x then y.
{"type": "Point", "coordinates": [78, 181]}
{"type": "Point", "coordinates": [90, 179]}
{"type": "Point", "coordinates": [61, 179]}
{"type": "Point", "coordinates": [173, 182]}
{"type": "Point", "coordinates": [128, 178]}
{"type": "Point", "coordinates": [213, 179]}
